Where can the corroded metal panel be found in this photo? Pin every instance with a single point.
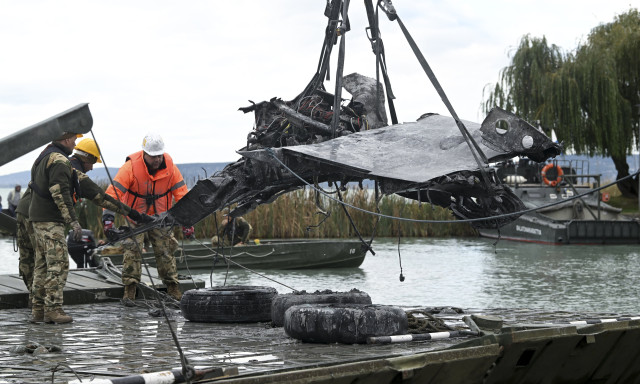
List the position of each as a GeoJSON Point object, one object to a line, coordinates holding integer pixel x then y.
{"type": "Point", "coordinates": [76, 120]}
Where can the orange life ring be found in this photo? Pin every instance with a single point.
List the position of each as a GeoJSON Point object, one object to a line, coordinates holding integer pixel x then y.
{"type": "Point", "coordinates": [558, 179]}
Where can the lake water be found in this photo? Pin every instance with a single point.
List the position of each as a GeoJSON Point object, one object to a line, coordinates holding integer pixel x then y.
{"type": "Point", "coordinates": [465, 273]}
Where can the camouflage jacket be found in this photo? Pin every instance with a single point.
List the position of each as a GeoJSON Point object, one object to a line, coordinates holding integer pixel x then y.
{"type": "Point", "coordinates": [53, 177]}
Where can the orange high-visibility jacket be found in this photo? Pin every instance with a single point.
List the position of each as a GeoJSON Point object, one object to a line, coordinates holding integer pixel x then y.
{"type": "Point", "coordinates": [150, 194]}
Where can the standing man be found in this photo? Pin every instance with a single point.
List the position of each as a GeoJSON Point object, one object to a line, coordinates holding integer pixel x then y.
{"type": "Point", "coordinates": [86, 154]}
{"type": "Point", "coordinates": [14, 199]}
{"type": "Point", "coordinates": [53, 183]}
{"type": "Point", "coordinates": [149, 182]}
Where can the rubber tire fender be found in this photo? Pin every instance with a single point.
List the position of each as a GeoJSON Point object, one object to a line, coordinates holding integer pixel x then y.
{"type": "Point", "coordinates": [285, 301]}
{"type": "Point", "coordinates": [228, 304]}
{"type": "Point", "coordinates": [343, 323]}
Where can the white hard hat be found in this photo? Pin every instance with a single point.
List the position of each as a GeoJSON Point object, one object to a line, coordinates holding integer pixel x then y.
{"type": "Point", "coordinates": [153, 144]}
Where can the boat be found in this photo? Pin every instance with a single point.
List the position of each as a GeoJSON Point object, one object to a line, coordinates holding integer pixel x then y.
{"type": "Point", "coordinates": [572, 209]}
{"type": "Point", "coordinates": [259, 254]}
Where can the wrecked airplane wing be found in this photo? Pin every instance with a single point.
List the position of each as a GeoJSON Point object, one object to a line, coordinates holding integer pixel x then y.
{"type": "Point", "coordinates": [317, 138]}
{"type": "Point", "coordinates": [428, 160]}
{"type": "Point", "coordinates": [420, 151]}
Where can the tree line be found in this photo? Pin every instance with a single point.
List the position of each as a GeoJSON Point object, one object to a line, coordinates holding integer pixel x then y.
{"type": "Point", "coordinates": [589, 96]}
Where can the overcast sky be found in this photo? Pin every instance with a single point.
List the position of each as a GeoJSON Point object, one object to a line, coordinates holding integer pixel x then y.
{"type": "Point", "coordinates": [183, 68]}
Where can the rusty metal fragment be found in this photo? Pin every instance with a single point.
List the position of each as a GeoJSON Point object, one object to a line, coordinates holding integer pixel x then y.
{"type": "Point", "coordinates": [427, 160]}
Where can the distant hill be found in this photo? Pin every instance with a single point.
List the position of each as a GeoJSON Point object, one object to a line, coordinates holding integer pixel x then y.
{"type": "Point", "coordinates": [599, 165]}
{"type": "Point", "coordinates": [191, 172]}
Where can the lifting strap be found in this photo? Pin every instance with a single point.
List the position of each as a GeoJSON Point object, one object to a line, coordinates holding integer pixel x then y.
{"type": "Point", "coordinates": [332, 12]}
{"type": "Point", "coordinates": [381, 62]}
{"type": "Point", "coordinates": [335, 119]}
{"type": "Point", "coordinates": [476, 151]}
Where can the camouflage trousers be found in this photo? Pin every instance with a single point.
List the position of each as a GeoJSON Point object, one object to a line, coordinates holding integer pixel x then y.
{"type": "Point", "coordinates": [26, 239]}
{"type": "Point", "coordinates": [164, 245]}
{"type": "Point", "coordinates": [51, 265]}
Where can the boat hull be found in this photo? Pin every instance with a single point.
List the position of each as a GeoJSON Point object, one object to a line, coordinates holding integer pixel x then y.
{"type": "Point", "coordinates": [268, 254]}
{"type": "Point", "coordinates": [536, 228]}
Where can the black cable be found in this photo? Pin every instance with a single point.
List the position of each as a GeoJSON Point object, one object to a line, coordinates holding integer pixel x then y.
{"type": "Point", "coordinates": [519, 213]}
{"type": "Point", "coordinates": [477, 153]}
{"type": "Point", "coordinates": [399, 257]}
{"type": "Point", "coordinates": [337, 98]}
{"type": "Point", "coordinates": [353, 225]}
{"type": "Point", "coordinates": [186, 262]}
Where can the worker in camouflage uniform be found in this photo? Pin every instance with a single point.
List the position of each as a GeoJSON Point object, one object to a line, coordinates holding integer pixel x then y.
{"type": "Point", "coordinates": [86, 154]}
{"type": "Point", "coordinates": [52, 183]}
{"type": "Point", "coordinates": [241, 232]}
{"type": "Point", "coordinates": [150, 182]}
{"type": "Point", "coordinates": [55, 185]}
{"type": "Point", "coordinates": [26, 240]}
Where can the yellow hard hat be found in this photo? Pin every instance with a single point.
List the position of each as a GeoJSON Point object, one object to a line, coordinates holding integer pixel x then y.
{"type": "Point", "coordinates": [89, 146]}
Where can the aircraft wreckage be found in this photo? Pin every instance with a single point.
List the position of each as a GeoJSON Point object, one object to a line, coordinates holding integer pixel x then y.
{"type": "Point", "coordinates": [437, 159]}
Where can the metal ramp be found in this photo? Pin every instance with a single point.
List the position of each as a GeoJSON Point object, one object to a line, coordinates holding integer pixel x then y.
{"type": "Point", "coordinates": [86, 286]}
{"type": "Point", "coordinates": [609, 232]}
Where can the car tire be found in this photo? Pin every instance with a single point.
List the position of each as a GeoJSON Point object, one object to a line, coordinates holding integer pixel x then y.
{"type": "Point", "coordinates": [343, 323]}
{"type": "Point", "coordinates": [283, 302]}
{"type": "Point", "coordinates": [228, 304]}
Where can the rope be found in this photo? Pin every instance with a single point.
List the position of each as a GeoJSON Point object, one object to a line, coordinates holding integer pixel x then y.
{"type": "Point", "coordinates": [57, 368]}
{"type": "Point", "coordinates": [519, 213]}
{"type": "Point", "coordinates": [426, 324]}
{"type": "Point", "coordinates": [365, 244]}
{"type": "Point", "coordinates": [248, 269]}
{"type": "Point", "coordinates": [338, 92]}
{"type": "Point", "coordinates": [477, 153]}
{"type": "Point", "coordinates": [186, 262]}
{"type": "Point", "coordinates": [185, 256]}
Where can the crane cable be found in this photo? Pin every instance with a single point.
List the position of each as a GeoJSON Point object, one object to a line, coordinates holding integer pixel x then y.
{"type": "Point", "coordinates": [480, 219]}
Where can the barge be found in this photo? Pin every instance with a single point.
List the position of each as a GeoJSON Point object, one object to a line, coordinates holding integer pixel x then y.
{"type": "Point", "coordinates": [108, 341]}
{"type": "Point", "coordinates": [570, 220]}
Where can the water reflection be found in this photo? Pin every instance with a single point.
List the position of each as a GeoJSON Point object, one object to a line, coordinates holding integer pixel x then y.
{"type": "Point", "coordinates": [568, 277]}
{"type": "Point", "coordinates": [337, 279]}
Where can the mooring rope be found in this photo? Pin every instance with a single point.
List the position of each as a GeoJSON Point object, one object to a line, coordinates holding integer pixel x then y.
{"type": "Point", "coordinates": [249, 269]}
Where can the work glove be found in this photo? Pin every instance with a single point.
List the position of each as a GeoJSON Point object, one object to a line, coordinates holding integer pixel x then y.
{"type": "Point", "coordinates": [107, 222]}
{"type": "Point", "coordinates": [144, 218]}
{"type": "Point", "coordinates": [140, 218]}
{"type": "Point", "coordinates": [188, 232]}
{"type": "Point", "coordinates": [135, 215]}
{"type": "Point", "coordinates": [77, 231]}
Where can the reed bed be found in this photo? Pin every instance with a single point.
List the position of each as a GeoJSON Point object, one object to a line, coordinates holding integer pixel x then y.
{"type": "Point", "coordinates": [296, 215]}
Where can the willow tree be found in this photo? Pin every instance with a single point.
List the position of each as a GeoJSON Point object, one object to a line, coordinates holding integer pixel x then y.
{"type": "Point", "coordinates": [590, 97]}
